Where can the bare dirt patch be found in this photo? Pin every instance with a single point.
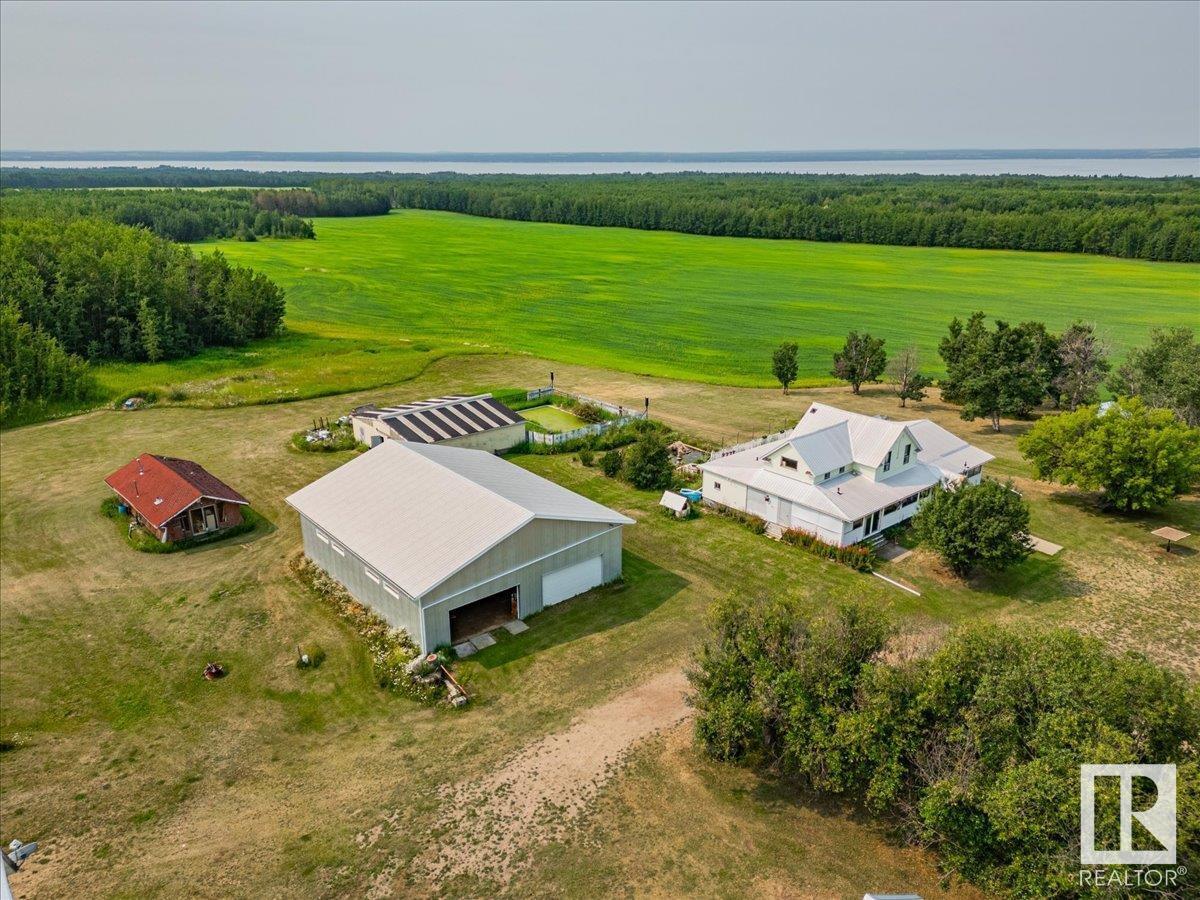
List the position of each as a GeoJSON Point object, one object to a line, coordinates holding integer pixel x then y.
{"type": "Point", "coordinates": [540, 793]}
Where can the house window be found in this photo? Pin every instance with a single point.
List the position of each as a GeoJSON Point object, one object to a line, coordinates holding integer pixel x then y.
{"type": "Point", "coordinates": [891, 509]}
{"type": "Point", "coordinates": [338, 550]}
{"type": "Point", "coordinates": [322, 538]}
{"type": "Point", "coordinates": [907, 452]}
{"type": "Point", "coordinates": [371, 575]}
{"type": "Point", "coordinates": [887, 461]}
{"type": "Point", "coordinates": [788, 463]}
{"type": "Point", "coordinates": [858, 523]}
{"type": "Point", "coordinates": [909, 501]}
{"type": "Point", "coordinates": [395, 593]}
{"type": "Point", "coordinates": [841, 469]}
{"type": "Point", "coordinates": [716, 485]}
{"type": "Point", "coordinates": [825, 477]}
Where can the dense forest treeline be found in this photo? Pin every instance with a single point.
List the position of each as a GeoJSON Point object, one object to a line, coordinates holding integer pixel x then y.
{"type": "Point", "coordinates": [1142, 218]}
{"type": "Point", "coordinates": [1137, 218]}
{"type": "Point", "coordinates": [196, 215]}
{"type": "Point", "coordinates": [89, 290]}
{"type": "Point", "coordinates": [177, 215]}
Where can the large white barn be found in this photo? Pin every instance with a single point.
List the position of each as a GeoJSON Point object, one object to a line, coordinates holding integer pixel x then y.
{"type": "Point", "coordinates": [447, 542]}
{"type": "Point", "coordinates": [841, 475]}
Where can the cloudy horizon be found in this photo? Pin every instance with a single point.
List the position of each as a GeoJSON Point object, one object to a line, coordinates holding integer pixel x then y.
{"type": "Point", "coordinates": [624, 77]}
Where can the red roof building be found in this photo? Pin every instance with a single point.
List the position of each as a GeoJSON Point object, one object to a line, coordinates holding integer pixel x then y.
{"type": "Point", "coordinates": [176, 498]}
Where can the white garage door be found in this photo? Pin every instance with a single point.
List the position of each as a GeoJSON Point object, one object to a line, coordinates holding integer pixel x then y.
{"type": "Point", "coordinates": [559, 586]}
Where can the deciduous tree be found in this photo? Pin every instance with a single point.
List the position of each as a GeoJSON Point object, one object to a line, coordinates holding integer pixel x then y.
{"type": "Point", "coordinates": [993, 372]}
{"type": "Point", "coordinates": [648, 464]}
{"type": "Point", "coordinates": [785, 363]}
{"type": "Point", "coordinates": [904, 371]}
{"type": "Point", "coordinates": [1165, 373]}
{"type": "Point", "coordinates": [981, 526]}
{"type": "Point", "coordinates": [1139, 457]}
{"type": "Point", "coordinates": [1082, 365]}
{"type": "Point", "coordinates": [861, 359]}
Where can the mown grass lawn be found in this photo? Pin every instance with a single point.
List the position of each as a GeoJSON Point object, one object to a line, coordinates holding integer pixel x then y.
{"type": "Point", "coordinates": [685, 306]}
{"type": "Point", "coordinates": [138, 776]}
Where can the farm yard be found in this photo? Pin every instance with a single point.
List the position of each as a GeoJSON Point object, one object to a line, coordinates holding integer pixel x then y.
{"type": "Point", "coordinates": [135, 773]}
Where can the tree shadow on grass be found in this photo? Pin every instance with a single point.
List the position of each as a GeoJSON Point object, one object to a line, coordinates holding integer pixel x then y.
{"type": "Point", "coordinates": [1182, 512]}
{"type": "Point", "coordinates": [644, 587]}
{"type": "Point", "coordinates": [1039, 579]}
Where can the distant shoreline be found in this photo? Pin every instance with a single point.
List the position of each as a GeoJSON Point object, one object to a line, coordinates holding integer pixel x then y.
{"type": "Point", "coordinates": [751, 156]}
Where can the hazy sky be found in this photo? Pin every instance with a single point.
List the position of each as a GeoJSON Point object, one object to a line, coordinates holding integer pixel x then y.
{"type": "Point", "coordinates": [607, 76]}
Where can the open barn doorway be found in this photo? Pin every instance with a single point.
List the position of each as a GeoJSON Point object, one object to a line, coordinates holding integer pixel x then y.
{"type": "Point", "coordinates": [483, 615]}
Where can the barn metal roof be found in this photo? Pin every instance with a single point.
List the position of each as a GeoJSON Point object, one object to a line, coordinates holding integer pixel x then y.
{"type": "Point", "coordinates": [442, 418]}
{"type": "Point", "coordinates": [418, 513]}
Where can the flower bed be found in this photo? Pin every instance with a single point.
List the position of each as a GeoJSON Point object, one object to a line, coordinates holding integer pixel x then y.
{"type": "Point", "coordinates": [854, 556]}
{"type": "Point", "coordinates": [393, 653]}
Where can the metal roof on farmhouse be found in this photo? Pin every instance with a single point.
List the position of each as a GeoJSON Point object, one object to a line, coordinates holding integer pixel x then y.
{"type": "Point", "coordinates": [158, 488]}
{"type": "Point", "coordinates": [443, 418]}
{"type": "Point", "coordinates": [418, 513]}
{"type": "Point", "coordinates": [828, 438]}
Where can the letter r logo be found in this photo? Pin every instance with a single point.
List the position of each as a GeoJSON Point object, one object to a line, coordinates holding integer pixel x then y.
{"type": "Point", "coordinates": [1159, 819]}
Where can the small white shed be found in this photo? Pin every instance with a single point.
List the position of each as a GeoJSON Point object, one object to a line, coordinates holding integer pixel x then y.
{"type": "Point", "coordinates": [676, 503]}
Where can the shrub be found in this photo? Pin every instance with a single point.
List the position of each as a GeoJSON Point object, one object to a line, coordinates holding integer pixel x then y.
{"type": "Point", "coordinates": [590, 413]}
{"type": "Point", "coordinates": [976, 526]}
{"type": "Point", "coordinates": [972, 750]}
{"type": "Point", "coordinates": [648, 464]}
{"type": "Point", "coordinates": [855, 556]}
{"type": "Point", "coordinates": [310, 657]}
{"type": "Point", "coordinates": [587, 457]}
{"type": "Point", "coordinates": [611, 463]}
{"type": "Point", "coordinates": [140, 539]}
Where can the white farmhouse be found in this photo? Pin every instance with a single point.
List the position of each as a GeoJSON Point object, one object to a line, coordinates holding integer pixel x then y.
{"type": "Point", "coordinates": [841, 475]}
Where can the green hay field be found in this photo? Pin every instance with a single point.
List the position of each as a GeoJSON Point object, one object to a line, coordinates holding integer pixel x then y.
{"type": "Point", "coordinates": [684, 306]}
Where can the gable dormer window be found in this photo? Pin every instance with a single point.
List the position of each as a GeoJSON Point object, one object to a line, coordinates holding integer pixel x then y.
{"type": "Point", "coordinates": [788, 463]}
{"type": "Point", "coordinates": [907, 453]}
{"type": "Point", "coordinates": [887, 461]}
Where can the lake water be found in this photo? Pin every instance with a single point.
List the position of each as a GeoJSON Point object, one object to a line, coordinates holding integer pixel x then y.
{"type": "Point", "coordinates": [1149, 168]}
